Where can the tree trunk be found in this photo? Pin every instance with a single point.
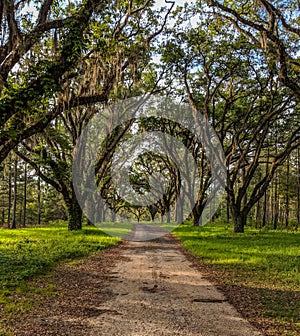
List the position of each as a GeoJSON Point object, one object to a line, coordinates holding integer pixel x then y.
{"type": "Point", "coordinates": [74, 214]}
{"type": "Point", "coordinates": [153, 211]}
{"type": "Point", "coordinates": [14, 216]}
{"type": "Point", "coordinates": [197, 212]}
{"type": "Point", "coordinates": [227, 210]}
{"type": "Point", "coordinates": [152, 214]}
{"type": "Point", "coordinates": [287, 196]}
{"type": "Point", "coordinates": [100, 213]}
{"type": "Point", "coordinates": [113, 216]}
{"type": "Point", "coordinates": [239, 220]}
{"type": "Point", "coordinates": [39, 201]}
{"type": "Point", "coordinates": [281, 212]}
{"type": "Point", "coordinates": [276, 190]}
{"type": "Point", "coordinates": [9, 197]}
{"type": "Point", "coordinates": [276, 203]}
{"type": "Point", "coordinates": [265, 209]}
{"type": "Point", "coordinates": [179, 213]}
{"type": "Point", "coordinates": [298, 189]}
{"type": "Point", "coordinates": [197, 220]}
{"type": "Point", "coordinates": [168, 217]}
{"type": "Point", "coordinates": [265, 204]}
{"type": "Point", "coordinates": [89, 222]}
{"type": "Point", "coordinates": [257, 215]}
{"type": "Point", "coordinates": [25, 195]}
{"type": "Point", "coordinates": [104, 211]}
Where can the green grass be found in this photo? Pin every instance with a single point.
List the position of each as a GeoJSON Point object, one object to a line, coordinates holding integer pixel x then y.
{"type": "Point", "coordinates": [264, 265]}
{"type": "Point", "coordinates": [28, 253]}
{"type": "Point", "coordinates": [25, 253]}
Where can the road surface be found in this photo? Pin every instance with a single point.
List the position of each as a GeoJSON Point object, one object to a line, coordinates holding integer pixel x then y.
{"type": "Point", "coordinates": [157, 292]}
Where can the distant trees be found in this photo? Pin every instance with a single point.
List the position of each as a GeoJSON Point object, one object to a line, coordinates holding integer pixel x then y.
{"type": "Point", "coordinates": [238, 68]}
{"type": "Point", "coordinates": [255, 117]}
{"type": "Point", "coordinates": [100, 54]}
{"type": "Point", "coordinates": [155, 174]}
{"type": "Point", "coordinates": [279, 208]}
{"type": "Point", "coordinates": [24, 199]}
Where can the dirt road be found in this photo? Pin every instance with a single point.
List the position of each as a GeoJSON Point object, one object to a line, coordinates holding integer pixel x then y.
{"type": "Point", "coordinates": [142, 288]}
{"type": "Point", "coordinates": [159, 293]}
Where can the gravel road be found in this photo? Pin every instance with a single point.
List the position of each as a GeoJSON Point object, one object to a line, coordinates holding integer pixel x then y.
{"type": "Point", "coordinates": [158, 292]}
{"type": "Point", "coordinates": [139, 288]}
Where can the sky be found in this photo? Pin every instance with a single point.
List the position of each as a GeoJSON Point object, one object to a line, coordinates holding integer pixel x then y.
{"type": "Point", "coordinates": [159, 4]}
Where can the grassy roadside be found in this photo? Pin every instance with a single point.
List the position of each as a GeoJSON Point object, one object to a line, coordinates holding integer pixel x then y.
{"type": "Point", "coordinates": [259, 271]}
{"type": "Point", "coordinates": [31, 252]}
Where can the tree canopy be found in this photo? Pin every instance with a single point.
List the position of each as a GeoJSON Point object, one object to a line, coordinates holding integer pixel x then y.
{"type": "Point", "coordinates": [235, 65]}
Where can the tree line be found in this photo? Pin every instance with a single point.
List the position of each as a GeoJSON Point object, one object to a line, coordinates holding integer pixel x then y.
{"type": "Point", "coordinates": [236, 65]}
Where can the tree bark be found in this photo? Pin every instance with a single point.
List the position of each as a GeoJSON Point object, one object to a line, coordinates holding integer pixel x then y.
{"type": "Point", "coordinates": [287, 196]}
{"type": "Point", "coordinates": [100, 212]}
{"type": "Point", "coordinates": [265, 209]}
{"type": "Point", "coordinates": [298, 189]}
{"type": "Point", "coordinates": [257, 215]}
{"type": "Point", "coordinates": [89, 222]}
{"type": "Point", "coordinates": [227, 210]}
{"type": "Point", "coordinates": [197, 212]}
{"type": "Point", "coordinates": [74, 213]}
{"type": "Point", "coordinates": [276, 203]}
{"type": "Point", "coordinates": [179, 213]}
{"type": "Point", "coordinates": [153, 211]}
{"type": "Point", "coordinates": [9, 197]}
{"type": "Point", "coordinates": [265, 206]}
{"type": "Point", "coordinates": [3, 217]}
{"type": "Point", "coordinates": [14, 223]}
{"type": "Point", "coordinates": [239, 221]}
{"type": "Point", "coordinates": [152, 215]}
{"type": "Point", "coordinates": [113, 216]}
{"type": "Point", "coordinates": [168, 217]}
{"type": "Point", "coordinates": [39, 201]}
{"type": "Point", "coordinates": [25, 195]}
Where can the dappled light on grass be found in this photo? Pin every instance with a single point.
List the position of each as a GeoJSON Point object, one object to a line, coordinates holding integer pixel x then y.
{"type": "Point", "coordinates": [275, 254]}
{"type": "Point", "coordinates": [259, 271]}
{"type": "Point", "coordinates": [28, 252]}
